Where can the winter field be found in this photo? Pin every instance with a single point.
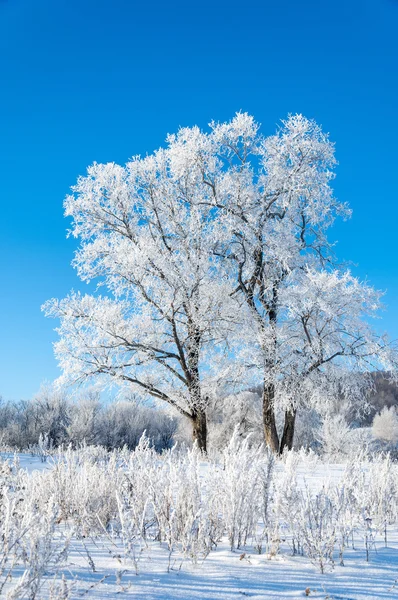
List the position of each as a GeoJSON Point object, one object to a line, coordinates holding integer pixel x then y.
{"type": "Point", "coordinates": [92, 524]}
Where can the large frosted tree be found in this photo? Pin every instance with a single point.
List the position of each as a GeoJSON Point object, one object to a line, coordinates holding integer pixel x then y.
{"type": "Point", "coordinates": [216, 247]}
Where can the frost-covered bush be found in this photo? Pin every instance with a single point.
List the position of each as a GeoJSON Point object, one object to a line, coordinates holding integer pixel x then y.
{"type": "Point", "coordinates": [316, 526]}
{"type": "Point", "coordinates": [285, 505]}
{"type": "Point", "coordinates": [43, 448]}
{"type": "Point", "coordinates": [334, 437]}
{"type": "Point", "coordinates": [29, 541]}
{"type": "Point", "coordinates": [385, 425]}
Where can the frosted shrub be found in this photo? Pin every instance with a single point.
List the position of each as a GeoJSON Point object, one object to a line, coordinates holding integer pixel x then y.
{"type": "Point", "coordinates": [28, 537]}
{"type": "Point", "coordinates": [139, 467]}
{"type": "Point", "coordinates": [266, 472]}
{"type": "Point", "coordinates": [317, 526]}
{"type": "Point", "coordinates": [164, 498]}
{"type": "Point", "coordinates": [11, 530]}
{"type": "Point", "coordinates": [383, 493]}
{"type": "Point", "coordinates": [130, 532]}
{"type": "Point", "coordinates": [385, 425]}
{"type": "Point", "coordinates": [368, 499]}
{"type": "Point", "coordinates": [61, 589]}
{"type": "Point", "coordinates": [187, 509]}
{"type": "Point", "coordinates": [160, 483]}
{"type": "Point", "coordinates": [285, 508]}
{"type": "Point", "coordinates": [94, 497]}
{"type": "Point", "coordinates": [334, 437]}
{"type": "Point", "coordinates": [353, 497]}
{"type": "Point", "coordinates": [345, 521]}
{"type": "Point", "coordinates": [15, 520]}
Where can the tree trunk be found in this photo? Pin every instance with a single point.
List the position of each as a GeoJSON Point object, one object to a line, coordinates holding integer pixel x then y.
{"type": "Point", "coordinates": [288, 430]}
{"type": "Point", "coordinates": [270, 432]}
{"type": "Point", "coordinates": [199, 429]}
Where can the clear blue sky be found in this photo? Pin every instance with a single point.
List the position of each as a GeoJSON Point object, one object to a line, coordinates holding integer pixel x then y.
{"type": "Point", "coordinates": [85, 80]}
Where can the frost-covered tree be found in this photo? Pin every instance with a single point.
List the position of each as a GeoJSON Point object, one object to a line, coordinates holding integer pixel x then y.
{"type": "Point", "coordinates": [219, 228]}
{"type": "Point", "coordinates": [146, 233]}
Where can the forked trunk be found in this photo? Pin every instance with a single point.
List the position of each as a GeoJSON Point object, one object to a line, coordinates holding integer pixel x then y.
{"type": "Point", "coordinates": [270, 432]}
{"type": "Point", "coordinates": [199, 429]}
{"type": "Point", "coordinates": [288, 430]}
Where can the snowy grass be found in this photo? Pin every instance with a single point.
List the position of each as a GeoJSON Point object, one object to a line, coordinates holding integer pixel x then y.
{"type": "Point", "coordinates": [88, 524]}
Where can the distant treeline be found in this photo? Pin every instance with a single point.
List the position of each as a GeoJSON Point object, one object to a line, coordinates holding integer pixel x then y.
{"type": "Point", "coordinates": [63, 420]}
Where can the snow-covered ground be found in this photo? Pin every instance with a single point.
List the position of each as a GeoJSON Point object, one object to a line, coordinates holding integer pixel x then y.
{"type": "Point", "coordinates": [98, 565]}
{"type": "Point", "coordinates": [225, 576]}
